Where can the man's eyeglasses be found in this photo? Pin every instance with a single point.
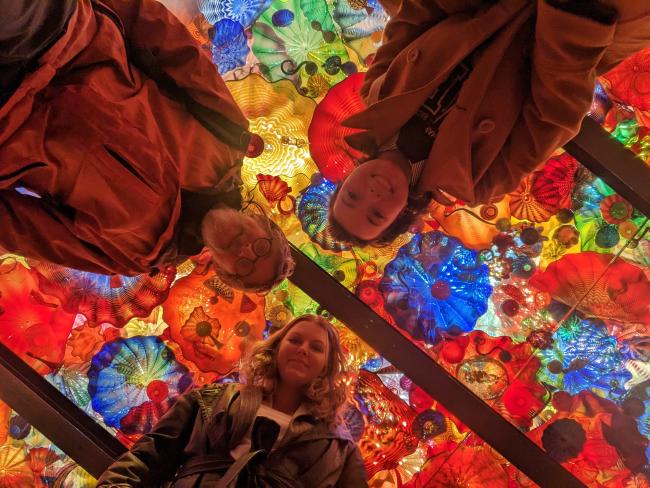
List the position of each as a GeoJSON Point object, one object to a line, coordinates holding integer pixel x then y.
{"type": "Point", "coordinates": [261, 248]}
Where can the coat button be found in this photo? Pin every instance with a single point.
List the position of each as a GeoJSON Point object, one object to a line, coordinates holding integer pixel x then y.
{"type": "Point", "coordinates": [412, 55]}
{"type": "Point", "coordinates": [486, 126]}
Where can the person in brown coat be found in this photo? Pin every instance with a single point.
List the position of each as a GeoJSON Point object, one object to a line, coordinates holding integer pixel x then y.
{"type": "Point", "coordinates": [465, 97]}
{"type": "Point", "coordinates": [121, 146]}
{"type": "Point", "coordinates": [279, 429]}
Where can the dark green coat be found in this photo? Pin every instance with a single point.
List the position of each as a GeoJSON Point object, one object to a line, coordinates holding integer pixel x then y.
{"type": "Point", "coordinates": [198, 432]}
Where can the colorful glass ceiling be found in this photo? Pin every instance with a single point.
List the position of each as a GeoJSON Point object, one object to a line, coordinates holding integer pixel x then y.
{"type": "Point", "coordinates": [538, 302]}
{"type": "Point", "coordinates": [28, 459]}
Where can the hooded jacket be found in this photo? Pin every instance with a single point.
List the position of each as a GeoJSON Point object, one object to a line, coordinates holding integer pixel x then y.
{"type": "Point", "coordinates": [191, 445]}
{"type": "Point", "coordinates": [104, 153]}
{"type": "Point", "coordinates": [534, 66]}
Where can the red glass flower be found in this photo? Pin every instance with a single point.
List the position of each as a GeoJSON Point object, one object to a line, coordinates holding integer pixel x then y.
{"type": "Point", "coordinates": [327, 145]}
{"type": "Point", "coordinates": [105, 299]}
{"type": "Point", "coordinates": [630, 81]}
{"type": "Point", "coordinates": [620, 295]}
{"type": "Point", "coordinates": [615, 209]}
{"type": "Point", "coordinates": [32, 325]}
{"type": "Point", "coordinates": [553, 184]}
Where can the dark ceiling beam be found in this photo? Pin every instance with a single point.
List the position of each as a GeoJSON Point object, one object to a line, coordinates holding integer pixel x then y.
{"type": "Point", "coordinates": [55, 416]}
{"type": "Point", "coordinates": [523, 453]}
{"type": "Point", "coordinates": [620, 168]}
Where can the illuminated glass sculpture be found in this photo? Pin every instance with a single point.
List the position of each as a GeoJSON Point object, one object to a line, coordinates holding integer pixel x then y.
{"type": "Point", "coordinates": [435, 284]}
{"type": "Point", "coordinates": [34, 326]}
{"type": "Point", "coordinates": [333, 155]}
{"type": "Point", "coordinates": [105, 299]}
{"type": "Point", "coordinates": [583, 356]}
{"type": "Point", "coordinates": [305, 50]}
{"type": "Point", "coordinates": [133, 382]}
{"type": "Point", "coordinates": [620, 295]}
{"type": "Point", "coordinates": [312, 211]}
{"type": "Point", "coordinates": [229, 45]}
{"type": "Point", "coordinates": [242, 11]}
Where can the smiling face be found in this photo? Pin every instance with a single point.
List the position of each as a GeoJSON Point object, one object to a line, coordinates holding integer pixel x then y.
{"type": "Point", "coordinates": [371, 198]}
{"type": "Point", "coordinates": [242, 246]}
{"type": "Point", "coordinates": [302, 354]}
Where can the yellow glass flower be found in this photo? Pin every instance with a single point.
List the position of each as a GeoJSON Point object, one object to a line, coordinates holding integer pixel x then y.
{"type": "Point", "coordinates": [281, 116]}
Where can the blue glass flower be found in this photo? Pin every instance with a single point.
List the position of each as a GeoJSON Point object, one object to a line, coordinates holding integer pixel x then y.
{"type": "Point", "coordinates": [311, 210]}
{"type": "Point", "coordinates": [229, 45]}
{"type": "Point", "coordinates": [358, 20]}
{"type": "Point", "coordinates": [282, 18]}
{"type": "Point", "coordinates": [134, 381]}
{"type": "Point", "coordinates": [243, 11]}
{"type": "Point", "coordinates": [434, 283]}
{"type": "Point", "coordinates": [585, 357]}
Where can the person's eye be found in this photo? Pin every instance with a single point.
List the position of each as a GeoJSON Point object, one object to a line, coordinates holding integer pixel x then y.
{"type": "Point", "coordinates": [317, 348]}
{"type": "Point", "coordinates": [353, 196]}
{"type": "Point", "coordinates": [294, 340]}
{"type": "Point", "coordinates": [378, 214]}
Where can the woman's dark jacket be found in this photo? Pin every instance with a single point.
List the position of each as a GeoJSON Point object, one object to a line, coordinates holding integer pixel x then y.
{"type": "Point", "coordinates": [191, 445]}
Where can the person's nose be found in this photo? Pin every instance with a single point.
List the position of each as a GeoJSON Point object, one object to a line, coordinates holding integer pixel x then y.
{"type": "Point", "coordinates": [246, 251]}
{"type": "Point", "coordinates": [303, 349]}
{"type": "Point", "coordinates": [375, 192]}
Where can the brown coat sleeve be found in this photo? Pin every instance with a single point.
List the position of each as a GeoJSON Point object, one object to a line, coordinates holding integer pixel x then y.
{"type": "Point", "coordinates": [566, 51]}
{"type": "Point", "coordinates": [157, 455]}
{"type": "Point", "coordinates": [149, 25]}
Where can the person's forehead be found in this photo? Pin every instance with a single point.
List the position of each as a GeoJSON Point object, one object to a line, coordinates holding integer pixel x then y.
{"type": "Point", "coordinates": [309, 329]}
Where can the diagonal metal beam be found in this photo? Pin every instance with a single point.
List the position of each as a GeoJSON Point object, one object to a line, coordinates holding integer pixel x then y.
{"type": "Point", "coordinates": [617, 166]}
{"type": "Point", "coordinates": [56, 417]}
{"type": "Point", "coordinates": [523, 453]}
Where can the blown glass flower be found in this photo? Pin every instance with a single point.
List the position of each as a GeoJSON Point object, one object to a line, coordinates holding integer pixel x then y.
{"type": "Point", "coordinates": [312, 211]}
{"type": "Point", "coordinates": [281, 117]}
{"type": "Point", "coordinates": [361, 23]}
{"type": "Point", "coordinates": [387, 437]}
{"type": "Point", "coordinates": [476, 226]}
{"type": "Point", "coordinates": [593, 439]}
{"type": "Point", "coordinates": [618, 292]}
{"type": "Point", "coordinates": [102, 298]}
{"type": "Point", "coordinates": [553, 184]}
{"type": "Point", "coordinates": [134, 381]}
{"type": "Point", "coordinates": [629, 82]}
{"type": "Point", "coordinates": [212, 323]}
{"type": "Point", "coordinates": [435, 284]}
{"type": "Point", "coordinates": [584, 356]}
{"type": "Point", "coordinates": [14, 467]}
{"type": "Point", "coordinates": [496, 369]}
{"type": "Point", "coordinates": [301, 47]}
{"type": "Point", "coordinates": [229, 45]}
{"type": "Point", "coordinates": [327, 145]}
{"type": "Point", "coordinates": [359, 19]}
{"type": "Point", "coordinates": [242, 11]}
{"type": "Point", "coordinates": [35, 326]}
{"type": "Point", "coordinates": [469, 467]}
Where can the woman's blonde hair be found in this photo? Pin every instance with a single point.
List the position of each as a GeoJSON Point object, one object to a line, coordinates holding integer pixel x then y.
{"type": "Point", "coordinates": [327, 393]}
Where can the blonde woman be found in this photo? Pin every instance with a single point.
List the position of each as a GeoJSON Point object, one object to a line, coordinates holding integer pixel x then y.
{"type": "Point", "coordinates": [279, 428]}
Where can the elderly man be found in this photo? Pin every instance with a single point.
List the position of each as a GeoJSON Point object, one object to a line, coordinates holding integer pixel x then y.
{"type": "Point", "coordinates": [104, 169]}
